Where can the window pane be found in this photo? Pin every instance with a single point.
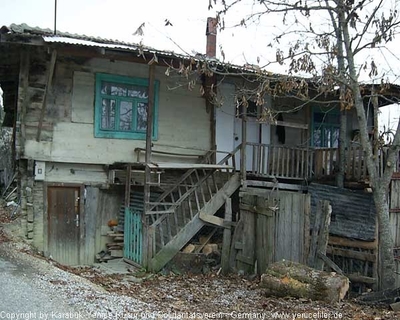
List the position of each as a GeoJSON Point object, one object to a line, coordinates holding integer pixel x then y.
{"type": "Point", "coordinates": [333, 118]}
{"type": "Point", "coordinates": [317, 138]}
{"type": "Point", "coordinates": [125, 116]}
{"type": "Point", "coordinates": [108, 114]}
{"type": "Point", "coordinates": [335, 137]}
{"type": "Point", "coordinates": [137, 92]}
{"type": "Point", "coordinates": [105, 88]}
{"type": "Point", "coordinates": [141, 116]}
{"type": "Point", "coordinates": [327, 137]}
{"type": "Point", "coordinates": [319, 117]}
{"type": "Point", "coordinates": [117, 89]}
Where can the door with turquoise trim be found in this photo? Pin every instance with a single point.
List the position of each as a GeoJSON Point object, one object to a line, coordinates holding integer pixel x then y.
{"type": "Point", "coordinates": [133, 234]}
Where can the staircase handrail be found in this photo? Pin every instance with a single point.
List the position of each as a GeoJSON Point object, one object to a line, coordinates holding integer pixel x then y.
{"type": "Point", "coordinates": [187, 174]}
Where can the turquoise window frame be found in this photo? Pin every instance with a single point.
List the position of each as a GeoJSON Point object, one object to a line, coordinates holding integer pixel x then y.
{"type": "Point", "coordinates": [120, 134]}
{"type": "Point", "coordinates": [322, 125]}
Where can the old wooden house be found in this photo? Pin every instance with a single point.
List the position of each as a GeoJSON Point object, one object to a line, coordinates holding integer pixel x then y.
{"type": "Point", "coordinates": [102, 132]}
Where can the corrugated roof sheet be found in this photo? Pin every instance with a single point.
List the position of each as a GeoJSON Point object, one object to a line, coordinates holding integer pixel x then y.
{"type": "Point", "coordinates": [90, 41]}
{"type": "Point", "coordinates": [48, 36]}
{"type": "Point", "coordinates": [353, 211]}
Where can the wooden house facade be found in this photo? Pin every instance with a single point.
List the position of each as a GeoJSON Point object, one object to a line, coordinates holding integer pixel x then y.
{"type": "Point", "coordinates": [102, 132]}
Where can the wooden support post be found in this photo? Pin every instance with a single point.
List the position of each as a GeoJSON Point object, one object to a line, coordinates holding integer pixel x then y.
{"type": "Point", "coordinates": [128, 186]}
{"type": "Point", "coordinates": [243, 149]}
{"type": "Point", "coordinates": [320, 234]}
{"type": "Point", "coordinates": [226, 243]}
{"type": "Point", "coordinates": [46, 92]}
{"type": "Point", "coordinates": [150, 107]}
{"type": "Point", "coordinates": [22, 101]}
{"type": "Point", "coordinates": [147, 233]}
{"type": "Point", "coordinates": [323, 233]}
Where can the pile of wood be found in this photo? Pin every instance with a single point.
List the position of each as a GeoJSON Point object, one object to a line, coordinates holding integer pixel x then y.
{"type": "Point", "coordinates": [114, 248]}
{"type": "Point", "coordinates": [286, 278]}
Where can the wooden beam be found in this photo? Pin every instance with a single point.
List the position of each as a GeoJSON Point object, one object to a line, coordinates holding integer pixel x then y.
{"type": "Point", "coordinates": [46, 91]}
{"type": "Point", "coordinates": [150, 107]}
{"type": "Point", "coordinates": [257, 209]}
{"type": "Point", "coordinates": [211, 219]}
{"type": "Point", "coordinates": [243, 148]}
{"type": "Point", "coordinates": [303, 126]}
{"type": "Point", "coordinates": [23, 99]}
{"type": "Point", "coordinates": [345, 242]}
{"type": "Point", "coordinates": [362, 279]}
{"type": "Point", "coordinates": [330, 263]}
{"type": "Point", "coordinates": [323, 233]}
{"type": "Point", "coordinates": [226, 242]}
{"type": "Point", "coordinates": [364, 256]}
{"type": "Point", "coordinates": [281, 186]}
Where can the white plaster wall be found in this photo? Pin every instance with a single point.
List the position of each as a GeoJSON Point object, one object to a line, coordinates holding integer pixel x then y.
{"type": "Point", "coordinates": [183, 123]}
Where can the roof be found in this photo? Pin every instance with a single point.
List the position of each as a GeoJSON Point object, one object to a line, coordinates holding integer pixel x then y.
{"type": "Point", "coordinates": [48, 36]}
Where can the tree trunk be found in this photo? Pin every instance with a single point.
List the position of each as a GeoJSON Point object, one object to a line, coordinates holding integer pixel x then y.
{"type": "Point", "coordinates": [286, 278]}
{"type": "Point", "coordinates": [386, 258]}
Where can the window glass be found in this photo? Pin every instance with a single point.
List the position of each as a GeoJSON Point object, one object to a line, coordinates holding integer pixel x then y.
{"type": "Point", "coordinates": [142, 116]}
{"type": "Point", "coordinates": [326, 129]}
{"type": "Point", "coordinates": [108, 114]}
{"type": "Point", "coordinates": [125, 115]}
{"type": "Point", "coordinates": [137, 92]}
{"type": "Point", "coordinates": [121, 107]}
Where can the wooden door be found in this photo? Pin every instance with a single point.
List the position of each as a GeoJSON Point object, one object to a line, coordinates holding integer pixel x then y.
{"type": "Point", "coordinates": [63, 224]}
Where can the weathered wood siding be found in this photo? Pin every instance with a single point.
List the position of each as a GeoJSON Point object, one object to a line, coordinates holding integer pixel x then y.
{"type": "Point", "coordinates": [68, 129]}
{"type": "Point", "coordinates": [272, 226]}
{"type": "Point", "coordinates": [394, 206]}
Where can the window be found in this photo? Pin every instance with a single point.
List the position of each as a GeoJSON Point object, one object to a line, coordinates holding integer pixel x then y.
{"type": "Point", "coordinates": [326, 126]}
{"type": "Point", "coordinates": [121, 107]}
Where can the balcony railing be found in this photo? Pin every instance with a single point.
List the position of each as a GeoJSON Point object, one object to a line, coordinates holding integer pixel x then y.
{"type": "Point", "coordinates": [281, 161]}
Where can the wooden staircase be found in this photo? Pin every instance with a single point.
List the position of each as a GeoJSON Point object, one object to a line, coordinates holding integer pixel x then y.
{"type": "Point", "coordinates": [180, 212]}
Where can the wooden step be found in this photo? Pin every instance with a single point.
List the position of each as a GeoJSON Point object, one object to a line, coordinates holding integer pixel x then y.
{"type": "Point", "coordinates": [190, 229]}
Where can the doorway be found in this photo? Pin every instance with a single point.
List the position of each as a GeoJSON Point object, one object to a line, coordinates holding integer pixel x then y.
{"type": "Point", "coordinates": [64, 219]}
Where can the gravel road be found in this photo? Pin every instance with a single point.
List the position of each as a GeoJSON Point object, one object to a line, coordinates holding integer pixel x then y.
{"type": "Point", "coordinates": [21, 296]}
{"type": "Point", "coordinates": [32, 288]}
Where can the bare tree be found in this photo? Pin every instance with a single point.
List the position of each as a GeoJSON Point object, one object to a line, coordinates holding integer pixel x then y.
{"type": "Point", "coordinates": [330, 41]}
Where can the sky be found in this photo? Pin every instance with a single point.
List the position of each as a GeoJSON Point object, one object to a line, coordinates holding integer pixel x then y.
{"type": "Point", "coordinates": [119, 19]}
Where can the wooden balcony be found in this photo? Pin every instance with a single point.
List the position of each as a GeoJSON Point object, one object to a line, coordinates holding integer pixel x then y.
{"type": "Point", "coordinates": [308, 163]}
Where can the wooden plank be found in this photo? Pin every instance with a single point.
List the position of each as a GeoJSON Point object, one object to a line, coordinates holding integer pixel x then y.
{"type": "Point", "coordinates": [346, 242]}
{"type": "Point", "coordinates": [265, 232]}
{"type": "Point", "coordinates": [47, 88]}
{"type": "Point", "coordinates": [184, 166]}
{"type": "Point", "coordinates": [281, 186]}
{"type": "Point", "coordinates": [330, 263]}
{"type": "Point", "coordinates": [278, 162]}
{"type": "Point", "coordinates": [364, 256]}
{"type": "Point", "coordinates": [307, 211]}
{"type": "Point", "coordinates": [237, 235]}
{"type": "Point", "coordinates": [314, 235]}
{"type": "Point", "coordinates": [266, 211]}
{"type": "Point", "coordinates": [23, 97]}
{"type": "Point", "coordinates": [254, 160]}
{"type": "Point", "coordinates": [243, 146]}
{"type": "Point", "coordinates": [226, 242]}
{"type": "Point", "coordinates": [360, 279]}
{"type": "Point", "coordinates": [211, 219]}
{"type": "Point", "coordinates": [323, 233]}
{"type": "Point", "coordinates": [272, 155]}
{"type": "Point", "coordinates": [291, 124]}
{"type": "Point", "coordinates": [246, 258]}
